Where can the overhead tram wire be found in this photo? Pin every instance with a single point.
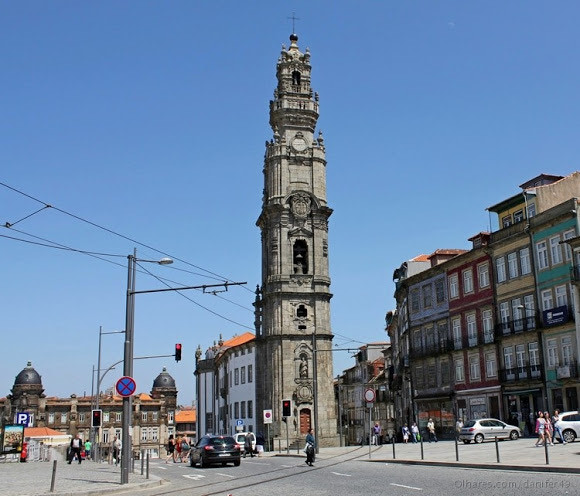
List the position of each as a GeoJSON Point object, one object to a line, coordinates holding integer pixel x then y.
{"type": "Point", "coordinates": [194, 302]}
{"type": "Point", "coordinates": [58, 246]}
{"type": "Point", "coordinates": [110, 231]}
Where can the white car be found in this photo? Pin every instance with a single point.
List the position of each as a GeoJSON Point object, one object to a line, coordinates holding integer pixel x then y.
{"type": "Point", "coordinates": [488, 429]}
{"type": "Point", "coordinates": [240, 438]}
{"type": "Point", "coordinates": [569, 424]}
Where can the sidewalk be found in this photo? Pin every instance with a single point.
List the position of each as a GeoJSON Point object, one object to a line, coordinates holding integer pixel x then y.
{"type": "Point", "coordinates": [513, 455]}
{"type": "Point", "coordinates": [87, 479]}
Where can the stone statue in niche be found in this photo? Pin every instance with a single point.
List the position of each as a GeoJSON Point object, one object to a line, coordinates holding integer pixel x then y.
{"type": "Point", "coordinates": [303, 368]}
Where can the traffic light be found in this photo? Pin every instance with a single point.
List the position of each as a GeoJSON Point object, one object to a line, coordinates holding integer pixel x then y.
{"type": "Point", "coordinates": [286, 408]}
{"type": "Point", "coordinates": [178, 352]}
{"type": "Point", "coordinates": [97, 418]}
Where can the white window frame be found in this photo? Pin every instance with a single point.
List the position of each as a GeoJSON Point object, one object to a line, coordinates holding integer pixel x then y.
{"type": "Point", "coordinates": [567, 351]}
{"type": "Point", "coordinates": [487, 321]}
{"type": "Point", "coordinates": [118, 416]}
{"type": "Point", "coordinates": [483, 275]}
{"type": "Point", "coordinates": [547, 299]}
{"type": "Point", "coordinates": [143, 416]}
{"type": "Point", "coordinates": [542, 254]}
{"type": "Point", "coordinates": [51, 418]}
{"type": "Point", "coordinates": [561, 296]}
{"type": "Point", "coordinates": [567, 249]}
{"type": "Point", "coordinates": [453, 285]}
{"type": "Point", "coordinates": [474, 370]}
{"type": "Point", "coordinates": [459, 371]}
{"type": "Point", "coordinates": [471, 320]}
{"type": "Point", "coordinates": [508, 358]}
{"type": "Point", "coordinates": [63, 418]}
{"type": "Point", "coordinates": [552, 353]}
{"type": "Point", "coordinates": [512, 260]}
{"type": "Point", "coordinates": [467, 281]}
{"type": "Point", "coordinates": [456, 327]}
{"type": "Point", "coordinates": [521, 357]}
{"type": "Point", "coordinates": [525, 263]}
{"type": "Point", "coordinates": [490, 365]}
{"type": "Point", "coordinates": [556, 250]}
{"type": "Point", "coordinates": [500, 269]}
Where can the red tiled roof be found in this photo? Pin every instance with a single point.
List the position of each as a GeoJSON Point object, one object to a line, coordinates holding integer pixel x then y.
{"type": "Point", "coordinates": [41, 432]}
{"type": "Point", "coordinates": [185, 416]}
{"type": "Point", "coordinates": [238, 340]}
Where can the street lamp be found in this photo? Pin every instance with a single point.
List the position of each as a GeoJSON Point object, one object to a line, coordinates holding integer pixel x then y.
{"type": "Point", "coordinates": [126, 447]}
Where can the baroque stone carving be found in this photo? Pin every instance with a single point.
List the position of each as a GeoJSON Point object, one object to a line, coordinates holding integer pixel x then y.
{"type": "Point", "coordinates": [301, 205]}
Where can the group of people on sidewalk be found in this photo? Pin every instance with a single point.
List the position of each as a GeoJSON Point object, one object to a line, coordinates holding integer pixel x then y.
{"type": "Point", "coordinates": [547, 427]}
{"type": "Point", "coordinates": [78, 450]}
{"type": "Point", "coordinates": [178, 449]}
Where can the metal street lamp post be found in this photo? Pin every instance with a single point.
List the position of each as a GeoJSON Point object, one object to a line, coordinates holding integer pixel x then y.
{"type": "Point", "coordinates": [126, 442]}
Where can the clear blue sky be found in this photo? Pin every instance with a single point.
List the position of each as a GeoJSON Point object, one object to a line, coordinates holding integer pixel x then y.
{"type": "Point", "coordinates": [149, 119]}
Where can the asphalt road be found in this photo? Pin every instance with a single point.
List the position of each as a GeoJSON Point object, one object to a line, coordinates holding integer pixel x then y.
{"type": "Point", "coordinates": [348, 475]}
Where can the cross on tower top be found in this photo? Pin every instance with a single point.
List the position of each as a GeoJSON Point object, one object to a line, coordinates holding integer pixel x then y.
{"type": "Point", "coordinates": [294, 19]}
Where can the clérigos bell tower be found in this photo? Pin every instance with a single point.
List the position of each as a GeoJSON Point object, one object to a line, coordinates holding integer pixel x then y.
{"type": "Point", "coordinates": [293, 335]}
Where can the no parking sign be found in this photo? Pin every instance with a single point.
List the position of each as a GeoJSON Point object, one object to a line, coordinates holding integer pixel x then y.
{"type": "Point", "coordinates": [267, 416]}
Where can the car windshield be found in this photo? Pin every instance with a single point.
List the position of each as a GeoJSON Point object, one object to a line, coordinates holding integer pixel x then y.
{"type": "Point", "coordinates": [469, 423]}
{"type": "Point", "coordinates": [219, 441]}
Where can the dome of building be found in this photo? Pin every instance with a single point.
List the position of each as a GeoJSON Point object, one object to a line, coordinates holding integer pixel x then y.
{"type": "Point", "coordinates": [164, 380]}
{"type": "Point", "coordinates": [28, 376]}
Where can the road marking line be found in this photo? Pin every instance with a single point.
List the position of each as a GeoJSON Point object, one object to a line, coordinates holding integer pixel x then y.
{"type": "Point", "coordinates": [226, 475]}
{"type": "Point", "coordinates": [288, 466]}
{"type": "Point", "coordinates": [162, 468]}
{"type": "Point", "coordinates": [343, 475]}
{"type": "Point", "coordinates": [407, 487]}
{"type": "Point", "coordinates": [194, 476]}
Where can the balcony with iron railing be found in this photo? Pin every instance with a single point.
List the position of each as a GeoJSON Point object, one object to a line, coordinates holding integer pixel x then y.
{"type": "Point", "coordinates": [516, 326]}
{"type": "Point", "coordinates": [432, 349]}
{"type": "Point", "coordinates": [559, 372]}
{"type": "Point", "coordinates": [532, 372]}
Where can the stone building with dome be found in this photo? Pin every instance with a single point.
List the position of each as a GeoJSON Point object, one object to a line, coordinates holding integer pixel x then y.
{"type": "Point", "coordinates": [153, 418]}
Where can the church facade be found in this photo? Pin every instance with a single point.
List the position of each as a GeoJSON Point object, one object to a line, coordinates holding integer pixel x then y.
{"type": "Point", "coordinates": [293, 331]}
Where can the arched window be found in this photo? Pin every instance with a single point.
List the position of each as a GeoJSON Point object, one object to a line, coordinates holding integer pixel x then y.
{"type": "Point", "coordinates": [301, 311]}
{"type": "Point", "coordinates": [295, 78]}
{"type": "Point", "coordinates": [300, 257]}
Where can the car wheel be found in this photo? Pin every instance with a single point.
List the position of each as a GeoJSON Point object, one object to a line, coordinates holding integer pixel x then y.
{"type": "Point", "coordinates": [237, 463]}
{"type": "Point", "coordinates": [202, 462]}
{"type": "Point", "coordinates": [191, 462]}
{"type": "Point", "coordinates": [514, 435]}
{"type": "Point", "coordinates": [478, 438]}
{"type": "Point", "coordinates": [466, 441]}
{"type": "Point", "coordinates": [569, 435]}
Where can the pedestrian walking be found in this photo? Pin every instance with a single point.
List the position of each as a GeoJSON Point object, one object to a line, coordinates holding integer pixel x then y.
{"type": "Point", "coordinates": [185, 449]}
{"type": "Point", "coordinates": [170, 449]}
{"type": "Point", "coordinates": [260, 442]}
{"type": "Point", "coordinates": [376, 434]}
{"type": "Point", "coordinates": [405, 431]}
{"type": "Point", "coordinates": [249, 444]}
{"type": "Point", "coordinates": [116, 445]}
{"type": "Point", "coordinates": [548, 429]}
{"type": "Point", "coordinates": [431, 430]}
{"type": "Point", "coordinates": [309, 449]}
{"type": "Point", "coordinates": [88, 446]}
{"type": "Point", "coordinates": [76, 445]}
{"type": "Point", "coordinates": [415, 433]}
{"type": "Point", "coordinates": [540, 429]}
{"type": "Point", "coordinates": [557, 428]}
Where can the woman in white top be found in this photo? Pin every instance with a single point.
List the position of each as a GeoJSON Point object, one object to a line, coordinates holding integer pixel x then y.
{"type": "Point", "coordinates": [540, 429]}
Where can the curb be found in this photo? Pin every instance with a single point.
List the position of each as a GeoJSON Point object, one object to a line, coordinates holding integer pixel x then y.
{"type": "Point", "coordinates": [520, 468]}
{"type": "Point", "coordinates": [135, 486]}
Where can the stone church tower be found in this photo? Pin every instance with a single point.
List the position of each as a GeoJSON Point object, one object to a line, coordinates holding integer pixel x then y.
{"type": "Point", "coordinates": [293, 336]}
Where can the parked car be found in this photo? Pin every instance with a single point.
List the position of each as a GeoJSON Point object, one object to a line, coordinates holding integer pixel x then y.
{"type": "Point", "coordinates": [240, 438]}
{"type": "Point", "coordinates": [569, 424]}
{"type": "Point", "coordinates": [215, 449]}
{"type": "Point", "coordinates": [488, 429]}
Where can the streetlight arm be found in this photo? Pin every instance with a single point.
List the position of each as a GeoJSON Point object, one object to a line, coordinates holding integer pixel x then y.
{"type": "Point", "coordinates": [204, 286]}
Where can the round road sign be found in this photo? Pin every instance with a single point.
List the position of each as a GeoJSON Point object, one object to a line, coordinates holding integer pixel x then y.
{"type": "Point", "coordinates": [369, 395]}
{"type": "Point", "coordinates": [126, 386]}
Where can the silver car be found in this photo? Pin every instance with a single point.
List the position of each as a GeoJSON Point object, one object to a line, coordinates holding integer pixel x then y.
{"type": "Point", "coordinates": [569, 425]}
{"type": "Point", "coordinates": [488, 429]}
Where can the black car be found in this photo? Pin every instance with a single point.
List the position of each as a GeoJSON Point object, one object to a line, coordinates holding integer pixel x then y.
{"type": "Point", "coordinates": [215, 449]}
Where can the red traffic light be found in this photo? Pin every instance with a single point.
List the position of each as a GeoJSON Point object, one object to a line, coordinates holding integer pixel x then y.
{"type": "Point", "coordinates": [178, 352]}
{"type": "Point", "coordinates": [286, 408]}
{"type": "Point", "coordinates": [97, 419]}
